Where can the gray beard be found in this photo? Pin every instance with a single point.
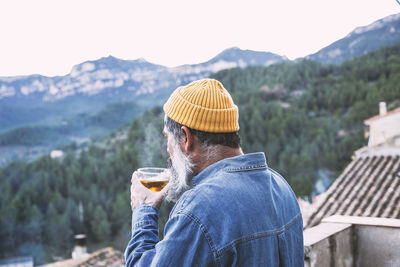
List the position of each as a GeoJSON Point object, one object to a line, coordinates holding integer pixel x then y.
{"type": "Point", "coordinates": [181, 169]}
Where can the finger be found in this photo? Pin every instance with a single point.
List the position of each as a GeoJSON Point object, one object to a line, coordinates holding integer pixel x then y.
{"type": "Point", "coordinates": [134, 176]}
{"type": "Point", "coordinates": [135, 187]}
{"type": "Point", "coordinates": [165, 189]}
{"type": "Point", "coordinates": [136, 183]}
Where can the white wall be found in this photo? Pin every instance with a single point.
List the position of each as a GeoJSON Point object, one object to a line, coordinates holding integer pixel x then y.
{"type": "Point", "coordinates": [384, 128]}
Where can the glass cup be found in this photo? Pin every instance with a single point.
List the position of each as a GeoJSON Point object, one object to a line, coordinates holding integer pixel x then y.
{"type": "Point", "coordinates": [154, 179]}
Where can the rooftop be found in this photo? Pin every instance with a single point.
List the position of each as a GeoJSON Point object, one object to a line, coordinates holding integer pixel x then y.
{"type": "Point", "coordinates": [369, 187]}
{"type": "Point", "coordinates": [107, 257]}
{"type": "Point", "coordinates": [368, 121]}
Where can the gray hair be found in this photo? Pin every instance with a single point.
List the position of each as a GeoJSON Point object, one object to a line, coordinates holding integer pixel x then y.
{"type": "Point", "coordinates": [208, 140]}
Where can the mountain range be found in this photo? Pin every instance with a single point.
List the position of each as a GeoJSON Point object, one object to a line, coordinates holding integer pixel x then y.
{"type": "Point", "coordinates": [360, 41]}
{"type": "Point", "coordinates": [92, 85]}
{"type": "Point", "coordinates": [98, 96]}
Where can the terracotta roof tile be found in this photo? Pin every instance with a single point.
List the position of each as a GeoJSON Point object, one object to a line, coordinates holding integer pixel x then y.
{"type": "Point", "coordinates": [105, 257]}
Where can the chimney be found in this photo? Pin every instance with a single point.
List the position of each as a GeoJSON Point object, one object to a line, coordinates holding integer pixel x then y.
{"type": "Point", "coordinates": [79, 250]}
{"type": "Point", "coordinates": [382, 108]}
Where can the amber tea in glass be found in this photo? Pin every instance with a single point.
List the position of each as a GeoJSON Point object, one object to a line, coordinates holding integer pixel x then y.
{"type": "Point", "coordinates": [154, 179]}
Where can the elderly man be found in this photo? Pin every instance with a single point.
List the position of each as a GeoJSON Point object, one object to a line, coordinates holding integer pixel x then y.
{"type": "Point", "coordinates": [231, 209]}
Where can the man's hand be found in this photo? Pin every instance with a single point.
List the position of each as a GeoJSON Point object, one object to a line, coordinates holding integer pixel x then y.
{"type": "Point", "coordinates": [140, 195]}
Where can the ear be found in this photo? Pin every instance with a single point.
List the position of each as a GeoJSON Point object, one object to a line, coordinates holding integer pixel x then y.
{"type": "Point", "coordinates": [189, 138]}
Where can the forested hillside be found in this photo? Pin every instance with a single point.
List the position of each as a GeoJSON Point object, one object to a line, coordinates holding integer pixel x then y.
{"type": "Point", "coordinates": [305, 116]}
{"type": "Point", "coordinates": [45, 202]}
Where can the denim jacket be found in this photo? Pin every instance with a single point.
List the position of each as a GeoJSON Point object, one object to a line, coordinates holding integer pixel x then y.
{"type": "Point", "coordinates": [239, 213]}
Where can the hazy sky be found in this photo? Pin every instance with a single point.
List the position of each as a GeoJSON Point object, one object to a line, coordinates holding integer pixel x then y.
{"type": "Point", "coordinates": [49, 37]}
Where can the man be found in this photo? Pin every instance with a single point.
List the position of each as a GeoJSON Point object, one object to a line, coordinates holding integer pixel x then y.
{"type": "Point", "coordinates": [231, 209]}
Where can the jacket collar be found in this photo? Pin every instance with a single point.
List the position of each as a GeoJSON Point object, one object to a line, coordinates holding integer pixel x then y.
{"type": "Point", "coordinates": [246, 162]}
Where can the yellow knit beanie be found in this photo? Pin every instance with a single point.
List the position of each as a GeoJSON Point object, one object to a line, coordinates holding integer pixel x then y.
{"type": "Point", "coordinates": [203, 105]}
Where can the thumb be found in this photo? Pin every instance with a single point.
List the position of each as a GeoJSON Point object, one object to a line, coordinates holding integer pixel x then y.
{"type": "Point", "coordinates": [164, 191]}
